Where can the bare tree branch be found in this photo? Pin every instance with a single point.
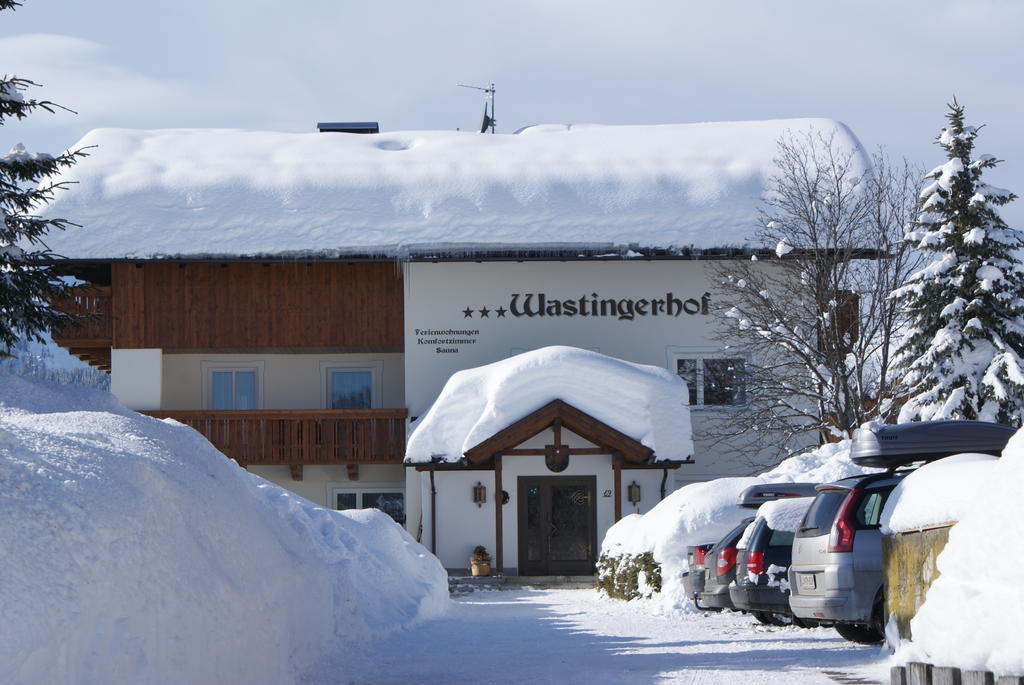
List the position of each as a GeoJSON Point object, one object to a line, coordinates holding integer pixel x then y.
{"type": "Point", "coordinates": [816, 325]}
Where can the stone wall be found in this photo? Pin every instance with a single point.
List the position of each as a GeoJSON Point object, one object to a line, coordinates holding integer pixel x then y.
{"type": "Point", "coordinates": [909, 561]}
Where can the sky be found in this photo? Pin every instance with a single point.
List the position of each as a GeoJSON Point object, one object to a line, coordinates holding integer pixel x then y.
{"type": "Point", "coordinates": [886, 69]}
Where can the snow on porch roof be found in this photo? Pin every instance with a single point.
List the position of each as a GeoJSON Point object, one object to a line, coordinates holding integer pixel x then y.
{"type": "Point", "coordinates": [209, 193]}
{"type": "Point", "coordinates": [646, 403]}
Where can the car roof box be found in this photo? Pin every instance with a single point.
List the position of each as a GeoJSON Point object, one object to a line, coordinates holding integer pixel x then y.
{"type": "Point", "coordinates": [885, 446]}
{"type": "Point", "coordinates": [756, 495]}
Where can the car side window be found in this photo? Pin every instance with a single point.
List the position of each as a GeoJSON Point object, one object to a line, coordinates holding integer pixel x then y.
{"type": "Point", "coordinates": [781, 538]}
{"type": "Point", "coordinates": [869, 510]}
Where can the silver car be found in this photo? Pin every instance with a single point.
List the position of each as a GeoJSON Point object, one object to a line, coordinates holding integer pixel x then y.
{"type": "Point", "coordinates": [836, 574]}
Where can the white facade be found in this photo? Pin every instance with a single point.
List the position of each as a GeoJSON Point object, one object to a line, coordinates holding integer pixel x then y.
{"type": "Point", "coordinates": [438, 293]}
{"type": "Point", "coordinates": [467, 314]}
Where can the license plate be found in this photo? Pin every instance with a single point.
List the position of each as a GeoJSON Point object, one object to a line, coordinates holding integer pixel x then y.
{"type": "Point", "coordinates": [807, 581]}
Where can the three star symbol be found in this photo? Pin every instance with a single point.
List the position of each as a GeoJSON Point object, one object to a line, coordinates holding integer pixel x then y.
{"type": "Point", "coordinates": [484, 312]}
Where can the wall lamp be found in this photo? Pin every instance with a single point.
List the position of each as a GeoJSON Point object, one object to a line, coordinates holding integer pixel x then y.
{"type": "Point", "coordinates": [633, 493]}
{"type": "Point", "coordinates": [479, 494]}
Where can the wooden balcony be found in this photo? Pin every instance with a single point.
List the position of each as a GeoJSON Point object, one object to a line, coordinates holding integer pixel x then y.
{"type": "Point", "coordinates": [297, 437]}
{"type": "Point", "coordinates": [91, 337]}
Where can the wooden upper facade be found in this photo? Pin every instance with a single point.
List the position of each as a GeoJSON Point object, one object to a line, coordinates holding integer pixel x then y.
{"type": "Point", "coordinates": [241, 306]}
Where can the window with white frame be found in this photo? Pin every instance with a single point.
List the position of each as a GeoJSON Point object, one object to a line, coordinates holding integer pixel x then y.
{"type": "Point", "coordinates": [389, 500]}
{"type": "Point", "coordinates": [232, 385]}
{"type": "Point", "coordinates": [713, 381]}
{"type": "Point", "coordinates": [351, 385]}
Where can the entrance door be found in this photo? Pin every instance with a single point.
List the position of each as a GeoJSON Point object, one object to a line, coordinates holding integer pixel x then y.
{"type": "Point", "coordinates": [557, 525]}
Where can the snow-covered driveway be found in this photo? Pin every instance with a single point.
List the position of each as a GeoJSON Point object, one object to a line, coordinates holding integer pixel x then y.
{"type": "Point", "coordinates": [576, 636]}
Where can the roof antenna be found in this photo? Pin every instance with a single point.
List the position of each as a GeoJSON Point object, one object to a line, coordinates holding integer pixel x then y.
{"type": "Point", "coordinates": [487, 121]}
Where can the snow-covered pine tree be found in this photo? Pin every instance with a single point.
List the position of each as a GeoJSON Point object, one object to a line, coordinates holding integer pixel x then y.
{"type": "Point", "coordinates": [961, 354]}
{"type": "Point", "coordinates": [28, 282]}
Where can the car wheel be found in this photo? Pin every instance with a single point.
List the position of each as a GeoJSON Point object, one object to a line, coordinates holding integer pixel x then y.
{"type": "Point", "coordinates": [861, 634]}
{"type": "Point", "coordinates": [773, 619]}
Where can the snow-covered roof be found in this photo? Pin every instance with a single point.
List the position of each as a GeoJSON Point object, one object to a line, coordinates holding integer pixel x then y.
{"type": "Point", "coordinates": [204, 193]}
{"type": "Point", "coordinates": [646, 403]}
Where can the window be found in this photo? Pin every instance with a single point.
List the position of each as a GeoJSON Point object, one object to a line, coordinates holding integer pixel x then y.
{"type": "Point", "coordinates": [232, 385]}
{"type": "Point", "coordinates": [869, 509]}
{"type": "Point", "coordinates": [781, 538]}
{"type": "Point", "coordinates": [713, 381]}
{"type": "Point", "coordinates": [391, 502]}
{"type": "Point", "coordinates": [349, 389]}
{"type": "Point", "coordinates": [351, 385]}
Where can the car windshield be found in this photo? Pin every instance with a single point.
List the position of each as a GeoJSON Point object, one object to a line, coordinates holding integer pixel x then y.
{"type": "Point", "coordinates": [818, 519]}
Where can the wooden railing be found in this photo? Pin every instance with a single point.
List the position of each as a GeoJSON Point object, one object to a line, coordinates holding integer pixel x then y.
{"type": "Point", "coordinates": [95, 328]}
{"type": "Point", "coordinates": [297, 437]}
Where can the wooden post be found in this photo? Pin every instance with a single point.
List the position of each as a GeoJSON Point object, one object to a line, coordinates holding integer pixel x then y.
{"type": "Point", "coordinates": [617, 470]}
{"type": "Point", "coordinates": [499, 553]}
{"type": "Point", "coordinates": [433, 512]}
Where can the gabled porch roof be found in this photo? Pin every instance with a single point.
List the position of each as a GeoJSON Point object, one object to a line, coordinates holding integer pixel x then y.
{"type": "Point", "coordinates": [558, 414]}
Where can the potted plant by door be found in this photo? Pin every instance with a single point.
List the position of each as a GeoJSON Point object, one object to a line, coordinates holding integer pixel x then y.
{"type": "Point", "coordinates": [480, 562]}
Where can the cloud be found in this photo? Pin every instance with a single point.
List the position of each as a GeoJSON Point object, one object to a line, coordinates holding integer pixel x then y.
{"type": "Point", "coordinates": [84, 76]}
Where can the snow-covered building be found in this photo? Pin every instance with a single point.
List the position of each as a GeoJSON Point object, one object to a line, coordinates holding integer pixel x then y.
{"type": "Point", "coordinates": [302, 299]}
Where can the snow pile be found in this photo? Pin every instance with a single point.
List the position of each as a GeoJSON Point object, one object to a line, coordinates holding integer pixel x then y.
{"type": "Point", "coordinates": [785, 514]}
{"type": "Point", "coordinates": [824, 464]}
{"type": "Point", "coordinates": [133, 552]}
{"type": "Point", "coordinates": [647, 403]}
{"type": "Point", "coordinates": [702, 513]}
{"type": "Point", "coordinates": [973, 615]}
{"type": "Point", "coordinates": [202, 192]}
{"type": "Point", "coordinates": [696, 514]}
{"type": "Point", "coordinates": [938, 493]}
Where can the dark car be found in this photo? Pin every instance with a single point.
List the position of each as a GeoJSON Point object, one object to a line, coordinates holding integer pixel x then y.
{"type": "Point", "coordinates": [693, 579]}
{"type": "Point", "coordinates": [720, 562]}
{"type": "Point", "coordinates": [720, 570]}
{"type": "Point", "coordinates": [762, 565]}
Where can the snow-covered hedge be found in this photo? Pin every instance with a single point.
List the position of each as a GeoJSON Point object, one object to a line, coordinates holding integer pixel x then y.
{"type": "Point", "coordinates": [702, 513]}
{"type": "Point", "coordinates": [629, 576]}
{"type": "Point", "coordinates": [134, 552]}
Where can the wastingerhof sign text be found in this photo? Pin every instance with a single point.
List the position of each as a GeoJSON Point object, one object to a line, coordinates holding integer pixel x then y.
{"type": "Point", "coordinates": [593, 305]}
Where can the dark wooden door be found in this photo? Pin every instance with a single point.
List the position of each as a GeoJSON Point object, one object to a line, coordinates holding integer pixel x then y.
{"type": "Point", "coordinates": [557, 525]}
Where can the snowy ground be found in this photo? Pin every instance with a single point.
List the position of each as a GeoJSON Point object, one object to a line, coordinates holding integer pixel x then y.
{"type": "Point", "coordinates": [577, 636]}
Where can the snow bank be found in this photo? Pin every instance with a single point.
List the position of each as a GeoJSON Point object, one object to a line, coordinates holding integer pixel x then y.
{"type": "Point", "coordinates": [969, 620]}
{"type": "Point", "coordinates": [702, 513]}
{"type": "Point", "coordinates": [647, 403]}
{"type": "Point", "coordinates": [696, 514]}
{"type": "Point", "coordinates": [938, 493]}
{"type": "Point", "coordinates": [201, 192]}
{"type": "Point", "coordinates": [133, 552]}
